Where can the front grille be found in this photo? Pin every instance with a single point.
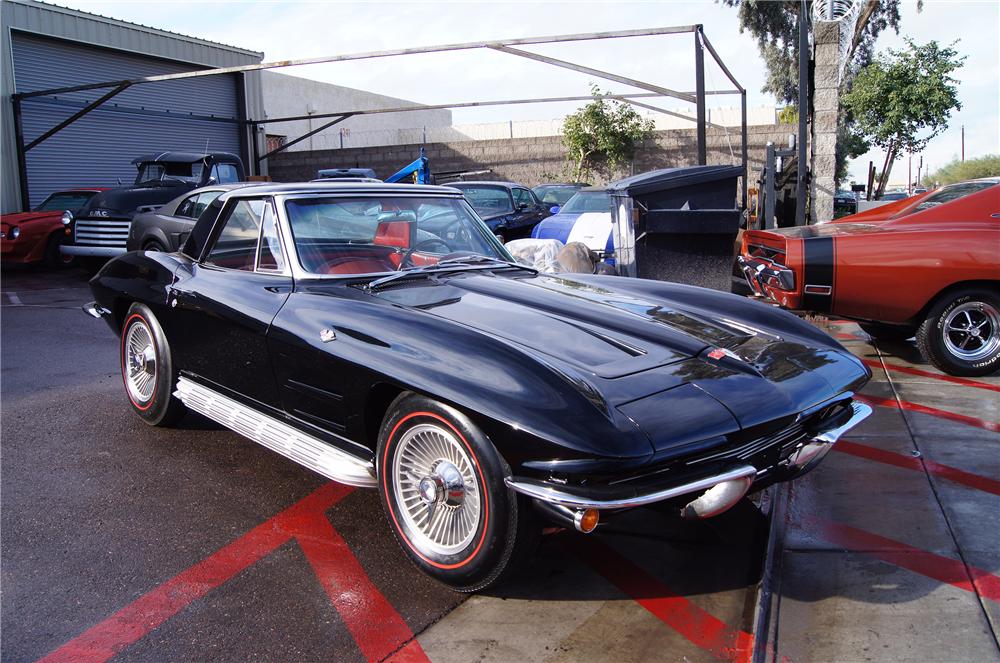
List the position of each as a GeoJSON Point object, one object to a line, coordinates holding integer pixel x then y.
{"type": "Point", "coordinates": [786, 439]}
{"type": "Point", "coordinates": [91, 232]}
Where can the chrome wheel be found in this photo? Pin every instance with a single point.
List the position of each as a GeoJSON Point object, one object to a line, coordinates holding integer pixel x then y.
{"type": "Point", "coordinates": [436, 489]}
{"type": "Point", "coordinates": [139, 362]}
{"type": "Point", "coordinates": [972, 331]}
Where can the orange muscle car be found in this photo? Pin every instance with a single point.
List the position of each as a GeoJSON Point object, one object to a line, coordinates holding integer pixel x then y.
{"type": "Point", "coordinates": [35, 236]}
{"type": "Point", "coordinates": [929, 268]}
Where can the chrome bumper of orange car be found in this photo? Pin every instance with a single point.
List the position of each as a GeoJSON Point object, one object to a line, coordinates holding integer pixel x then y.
{"type": "Point", "coordinates": [761, 275]}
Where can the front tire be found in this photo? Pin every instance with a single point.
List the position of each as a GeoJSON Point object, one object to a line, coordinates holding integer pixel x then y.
{"type": "Point", "coordinates": [442, 487]}
{"type": "Point", "coordinates": [147, 369]}
{"type": "Point", "coordinates": [961, 333]}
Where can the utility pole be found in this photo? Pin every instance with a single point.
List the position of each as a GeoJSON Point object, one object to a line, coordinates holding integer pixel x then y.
{"type": "Point", "coordinates": [963, 143]}
{"type": "Point", "coordinates": [909, 175]}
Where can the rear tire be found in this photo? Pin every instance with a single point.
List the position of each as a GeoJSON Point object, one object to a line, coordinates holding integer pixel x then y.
{"type": "Point", "coordinates": [883, 332]}
{"type": "Point", "coordinates": [147, 369]}
{"type": "Point", "coordinates": [155, 247]}
{"type": "Point", "coordinates": [961, 333]}
{"type": "Point", "coordinates": [442, 487]}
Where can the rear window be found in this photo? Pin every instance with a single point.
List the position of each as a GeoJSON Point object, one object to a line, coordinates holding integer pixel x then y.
{"type": "Point", "coordinates": [950, 193]}
{"type": "Point", "coordinates": [488, 200]}
{"type": "Point", "coordinates": [65, 200]}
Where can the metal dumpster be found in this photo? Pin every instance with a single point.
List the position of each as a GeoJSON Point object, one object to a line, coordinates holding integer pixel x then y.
{"type": "Point", "coordinates": [677, 224]}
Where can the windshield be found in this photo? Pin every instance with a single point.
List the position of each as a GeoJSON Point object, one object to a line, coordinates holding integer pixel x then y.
{"type": "Point", "coordinates": [65, 200]}
{"type": "Point", "coordinates": [952, 192]}
{"type": "Point", "coordinates": [588, 201]}
{"type": "Point", "coordinates": [355, 236]}
{"type": "Point", "coordinates": [555, 195]}
{"type": "Point", "coordinates": [177, 172]}
{"type": "Point", "coordinates": [488, 200]}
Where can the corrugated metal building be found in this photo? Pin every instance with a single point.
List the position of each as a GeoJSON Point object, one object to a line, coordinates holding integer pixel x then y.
{"type": "Point", "coordinates": [44, 46]}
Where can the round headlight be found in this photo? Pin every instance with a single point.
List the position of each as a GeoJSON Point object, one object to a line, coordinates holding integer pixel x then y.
{"type": "Point", "coordinates": [67, 218]}
{"type": "Point", "coordinates": [15, 232]}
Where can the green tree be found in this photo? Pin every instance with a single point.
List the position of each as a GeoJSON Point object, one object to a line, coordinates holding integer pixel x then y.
{"type": "Point", "coordinates": [603, 135]}
{"type": "Point", "coordinates": [970, 169]}
{"type": "Point", "coordinates": [775, 26]}
{"type": "Point", "coordinates": [902, 100]}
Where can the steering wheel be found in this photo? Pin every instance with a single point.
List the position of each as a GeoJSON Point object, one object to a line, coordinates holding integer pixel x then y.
{"type": "Point", "coordinates": [407, 262]}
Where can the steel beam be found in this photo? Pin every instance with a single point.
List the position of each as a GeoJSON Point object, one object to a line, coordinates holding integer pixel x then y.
{"type": "Point", "coordinates": [526, 41]}
{"type": "Point", "coordinates": [301, 138]}
{"type": "Point", "coordinates": [743, 146]}
{"type": "Point", "coordinates": [22, 164]}
{"type": "Point", "coordinates": [466, 104]}
{"type": "Point", "coordinates": [800, 183]}
{"type": "Point", "coordinates": [76, 116]}
{"type": "Point", "coordinates": [670, 112]}
{"type": "Point", "coordinates": [699, 86]}
{"type": "Point", "coordinates": [718, 61]}
{"type": "Point", "coordinates": [595, 72]}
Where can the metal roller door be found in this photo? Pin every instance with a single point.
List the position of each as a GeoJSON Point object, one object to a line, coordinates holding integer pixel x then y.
{"type": "Point", "coordinates": [97, 149]}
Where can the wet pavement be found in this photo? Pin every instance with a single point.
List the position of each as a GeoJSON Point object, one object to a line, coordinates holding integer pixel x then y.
{"type": "Point", "coordinates": [126, 542]}
{"type": "Point", "coordinates": [892, 549]}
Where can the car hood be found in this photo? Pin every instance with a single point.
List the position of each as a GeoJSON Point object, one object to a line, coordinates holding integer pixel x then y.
{"type": "Point", "coordinates": [21, 218]}
{"type": "Point", "coordinates": [630, 347]}
{"type": "Point", "coordinates": [127, 200]}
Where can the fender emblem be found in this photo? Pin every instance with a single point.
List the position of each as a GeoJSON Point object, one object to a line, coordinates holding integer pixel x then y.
{"type": "Point", "coordinates": [717, 353]}
{"type": "Point", "coordinates": [327, 335]}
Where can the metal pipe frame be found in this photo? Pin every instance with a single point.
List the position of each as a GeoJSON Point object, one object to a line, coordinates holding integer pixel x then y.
{"type": "Point", "coordinates": [503, 46]}
{"type": "Point", "coordinates": [301, 138]}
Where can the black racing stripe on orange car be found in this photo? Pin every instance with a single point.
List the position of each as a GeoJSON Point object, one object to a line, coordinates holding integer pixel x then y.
{"type": "Point", "coordinates": [818, 258]}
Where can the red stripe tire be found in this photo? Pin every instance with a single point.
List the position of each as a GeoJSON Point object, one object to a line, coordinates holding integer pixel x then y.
{"type": "Point", "coordinates": [442, 489]}
{"type": "Point", "coordinates": [147, 369]}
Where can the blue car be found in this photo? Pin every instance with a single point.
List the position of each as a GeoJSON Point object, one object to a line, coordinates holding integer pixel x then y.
{"type": "Point", "coordinates": [585, 218]}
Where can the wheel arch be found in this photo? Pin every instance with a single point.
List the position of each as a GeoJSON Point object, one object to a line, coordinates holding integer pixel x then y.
{"type": "Point", "coordinates": [958, 285]}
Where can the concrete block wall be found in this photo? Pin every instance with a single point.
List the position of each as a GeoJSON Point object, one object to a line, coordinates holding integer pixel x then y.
{"type": "Point", "coordinates": [826, 108]}
{"type": "Point", "coordinates": [530, 161]}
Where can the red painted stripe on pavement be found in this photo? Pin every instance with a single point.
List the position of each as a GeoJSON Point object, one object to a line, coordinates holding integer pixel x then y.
{"type": "Point", "coordinates": [933, 411]}
{"type": "Point", "coordinates": [874, 363]}
{"type": "Point", "coordinates": [699, 627]}
{"type": "Point", "coordinates": [948, 472]}
{"type": "Point", "coordinates": [937, 567]}
{"type": "Point", "coordinates": [376, 626]}
{"type": "Point", "coordinates": [106, 639]}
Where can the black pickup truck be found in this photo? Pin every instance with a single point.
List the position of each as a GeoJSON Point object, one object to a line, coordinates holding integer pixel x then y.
{"type": "Point", "coordinates": [101, 229]}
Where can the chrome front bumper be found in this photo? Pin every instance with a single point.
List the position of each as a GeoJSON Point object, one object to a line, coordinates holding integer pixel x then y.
{"type": "Point", "coordinates": [719, 491]}
{"type": "Point", "coordinates": [760, 274]}
{"type": "Point", "coordinates": [92, 251]}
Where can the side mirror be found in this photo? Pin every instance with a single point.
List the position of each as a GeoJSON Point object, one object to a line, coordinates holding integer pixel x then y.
{"type": "Point", "coordinates": [211, 181]}
{"type": "Point", "coordinates": [522, 206]}
{"type": "Point", "coordinates": [554, 209]}
{"type": "Point", "coordinates": [499, 238]}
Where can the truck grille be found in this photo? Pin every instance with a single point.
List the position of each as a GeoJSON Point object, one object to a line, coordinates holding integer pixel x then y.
{"type": "Point", "coordinates": [91, 232]}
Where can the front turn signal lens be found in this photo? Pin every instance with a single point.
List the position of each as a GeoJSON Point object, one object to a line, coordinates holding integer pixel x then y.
{"type": "Point", "coordinates": [587, 520]}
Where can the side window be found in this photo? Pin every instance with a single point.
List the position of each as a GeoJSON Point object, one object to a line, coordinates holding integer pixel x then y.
{"type": "Point", "coordinates": [225, 173]}
{"type": "Point", "coordinates": [270, 256]}
{"type": "Point", "coordinates": [187, 207]}
{"type": "Point", "coordinates": [203, 201]}
{"type": "Point", "coordinates": [236, 244]}
{"type": "Point", "coordinates": [523, 197]}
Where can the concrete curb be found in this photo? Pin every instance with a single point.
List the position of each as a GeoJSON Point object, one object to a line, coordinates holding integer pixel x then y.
{"type": "Point", "coordinates": [765, 631]}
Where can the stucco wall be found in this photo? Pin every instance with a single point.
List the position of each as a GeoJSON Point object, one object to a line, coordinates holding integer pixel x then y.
{"type": "Point", "coordinates": [528, 160]}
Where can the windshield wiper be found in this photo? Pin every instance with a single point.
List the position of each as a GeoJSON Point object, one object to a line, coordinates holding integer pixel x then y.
{"type": "Point", "coordinates": [457, 264]}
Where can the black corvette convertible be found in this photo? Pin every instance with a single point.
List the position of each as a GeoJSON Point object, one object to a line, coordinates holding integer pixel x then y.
{"type": "Point", "coordinates": [381, 335]}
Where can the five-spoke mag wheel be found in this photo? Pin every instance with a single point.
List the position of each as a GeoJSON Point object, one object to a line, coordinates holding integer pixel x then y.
{"type": "Point", "coordinates": [961, 333]}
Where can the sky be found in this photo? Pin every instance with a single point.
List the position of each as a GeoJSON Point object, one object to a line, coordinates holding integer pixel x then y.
{"type": "Point", "coordinates": [292, 30]}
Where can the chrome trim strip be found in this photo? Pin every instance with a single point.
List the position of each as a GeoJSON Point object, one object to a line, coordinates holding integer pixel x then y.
{"type": "Point", "coordinates": [561, 497]}
{"type": "Point", "coordinates": [818, 289]}
{"type": "Point", "coordinates": [277, 436]}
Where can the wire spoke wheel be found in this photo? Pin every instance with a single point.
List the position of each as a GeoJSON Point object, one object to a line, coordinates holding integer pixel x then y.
{"type": "Point", "coordinates": [436, 490]}
{"type": "Point", "coordinates": [139, 362]}
{"type": "Point", "coordinates": [972, 331]}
